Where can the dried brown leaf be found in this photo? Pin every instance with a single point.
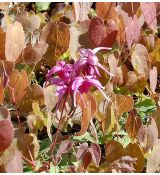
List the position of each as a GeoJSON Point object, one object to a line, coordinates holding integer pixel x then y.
{"type": "Point", "coordinates": [2, 44]}
{"type": "Point", "coordinates": [133, 124]}
{"type": "Point", "coordinates": [134, 151]}
{"type": "Point", "coordinates": [34, 93]}
{"type": "Point", "coordinates": [115, 151]}
{"type": "Point", "coordinates": [18, 84]}
{"type": "Point", "coordinates": [105, 10]}
{"type": "Point", "coordinates": [28, 144]}
{"type": "Point", "coordinates": [140, 60]}
{"type": "Point", "coordinates": [33, 54]}
{"type": "Point", "coordinates": [57, 36]}
{"type": "Point", "coordinates": [122, 103]}
{"type": "Point", "coordinates": [88, 107]}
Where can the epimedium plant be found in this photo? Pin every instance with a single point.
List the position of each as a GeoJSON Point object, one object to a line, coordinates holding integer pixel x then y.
{"type": "Point", "coordinates": [79, 87]}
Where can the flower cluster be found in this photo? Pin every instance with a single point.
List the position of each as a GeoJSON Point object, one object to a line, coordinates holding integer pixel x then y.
{"type": "Point", "coordinates": [78, 77]}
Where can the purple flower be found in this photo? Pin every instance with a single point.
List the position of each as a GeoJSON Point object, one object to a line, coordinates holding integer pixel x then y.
{"type": "Point", "coordinates": [88, 63]}
{"type": "Point", "coordinates": [83, 84]}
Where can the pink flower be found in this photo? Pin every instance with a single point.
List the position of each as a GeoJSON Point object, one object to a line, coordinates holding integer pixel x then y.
{"type": "Point", "coordinates": [78, 77]}
{"type": "Point", "coordinates": [89, 63]}
{"type": "Point", "coordinates": [61, 75]}
{"type": "Point", "coordinates": [63, 71]}
{"type": "Point", "coordinates": [83, 84]}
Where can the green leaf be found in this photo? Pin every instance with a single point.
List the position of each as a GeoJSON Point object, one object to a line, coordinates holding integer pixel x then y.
{"type": "Point", "coordinates": [42, 6]}
{"type": "Point", "coordinates": [84, 137]}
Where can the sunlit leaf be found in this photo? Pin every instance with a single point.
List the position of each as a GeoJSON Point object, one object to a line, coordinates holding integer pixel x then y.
{"type": "Point", "coordinates": [132, 30]}
{"type": "Point", "coordinates": [57, 36]}
{"type": "Point", "coordinates": [15, 41]}
{"type": "Point", "coordinates": [140, 60]}
{"type": "Point", "coordinates": [149, 12]}
{"type": "Point", "coordinates": [133, 124]}
{"type": "Point", "coordinates": [147, 136]}
{"type": "Point", "coordinates": [81, 10]}
{"type": "Point", "coordinates": [18, 84]}
{"type": "Point", "coordinates": [105, 10]}
{"type": "Point", "coordinates": [153, 160]}
{"type": "Point", "coordinates": [33, 54]}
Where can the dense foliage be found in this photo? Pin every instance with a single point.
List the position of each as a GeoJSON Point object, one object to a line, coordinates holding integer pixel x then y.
{"type": "Point", "coordinates": [79, 87]}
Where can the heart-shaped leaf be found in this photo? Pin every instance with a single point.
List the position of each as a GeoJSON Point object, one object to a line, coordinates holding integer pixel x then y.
{"type": "Point", "coordinates": [149, 12]}
{"type": "Point", "coordinates": [57, 36]}
{"type": "Point", "coordinates": [15, 41]}
{"type": "Point", "coordinates": [6, 134]}
{"type": "Point", "coordinates": [133, 124]}
{"type": "Point", "coordinates": [101, 34]}
{"type": "Point", "coordinates": [132, 30]}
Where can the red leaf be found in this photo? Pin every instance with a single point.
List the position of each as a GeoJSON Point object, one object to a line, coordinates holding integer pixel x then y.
{"type": "Point", "coordinates": [6, 134]}
{"type": "Point", "coordinates": [83, 148]}
{"type": "Point", "coordinates": [64, 147]}
{"type": "Point", "coordinates": [149, 11]}
{"type": "Point", "coordinates": [95, 151]}
{"type": "Point", "coordinates": [101, 34]}
{"type": "Point", "coordinates": [87, 158]}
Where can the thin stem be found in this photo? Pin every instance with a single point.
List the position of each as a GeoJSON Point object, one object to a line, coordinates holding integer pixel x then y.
{"type": "Point", "coordinates": [53, 144]}
{"type": "Point", "coordinates": [20, 126]}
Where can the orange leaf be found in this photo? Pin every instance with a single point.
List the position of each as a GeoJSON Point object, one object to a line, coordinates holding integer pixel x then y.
{"type": "Point", "coordinates": [18, 81]}
{"type": "Point", "coordinates": [2, 44]}
{"type": "Point", "coordinates": [88, 107]}
{"type": "Point", "coordinates": [57, 36]}
{"type": "Point", "coordinates": [133, 124]}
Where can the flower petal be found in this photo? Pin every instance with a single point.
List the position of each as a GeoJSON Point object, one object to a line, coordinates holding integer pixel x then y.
{"type": "Point", "coordinates": [100, 66]}
{"type": "Point", "coordinates": [94, 51]}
